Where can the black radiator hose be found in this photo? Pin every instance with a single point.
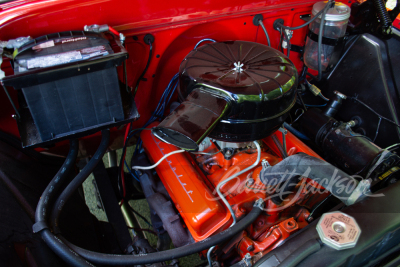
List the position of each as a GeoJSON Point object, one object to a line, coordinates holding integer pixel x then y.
{"type": "Point", "coordinates": [66, 250]}
{"type": "Point", "coordinates": [41, 213]}
{"type": "Point", "coordinates": [383, 16]}
{"type": "Point", "coordinates": [113, 259]}
{"type": "Point", "coordinates": [79, 179]}
{"type": "Point", "coordinates": [339, 183]}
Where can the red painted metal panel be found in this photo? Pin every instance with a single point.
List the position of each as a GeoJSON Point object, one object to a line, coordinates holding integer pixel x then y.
{"type": "Point", "coordinates": [176, 25]}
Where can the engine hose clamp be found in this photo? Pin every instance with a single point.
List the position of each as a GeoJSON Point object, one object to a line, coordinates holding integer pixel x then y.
{"type": "Point", "coordinates": [361, 191]}
{"type": "Point", "coordinates": [265, 164]}
{"type": "Point", "coordinates": [39, 226]}
{"type": "Point", "coordinates": [247, 260]}
{"type": "Point", "coordinates": [259, 203]}
{"type": "Point", "coordinates": [283, 130]}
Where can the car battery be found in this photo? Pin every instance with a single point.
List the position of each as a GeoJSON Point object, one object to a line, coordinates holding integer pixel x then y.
{"type": "Point", "coordinates": [69, 83]}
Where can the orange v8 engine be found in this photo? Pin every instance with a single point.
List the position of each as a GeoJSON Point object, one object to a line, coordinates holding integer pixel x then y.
{"type": "Point", "coordinates": [234, 97]}
{"type": "Point", "coordinates": [191, 180]}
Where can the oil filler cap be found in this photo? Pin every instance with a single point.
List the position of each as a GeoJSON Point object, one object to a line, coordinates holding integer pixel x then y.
{"type": "Point", "coordinates": [338, 230]}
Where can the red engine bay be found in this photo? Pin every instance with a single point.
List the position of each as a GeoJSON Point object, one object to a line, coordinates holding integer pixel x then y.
{"type": "Point", "coordinates": [256, 133]}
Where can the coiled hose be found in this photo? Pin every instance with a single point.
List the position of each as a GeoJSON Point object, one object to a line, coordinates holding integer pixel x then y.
{"type": "Point", "coordinates": [383, 16]}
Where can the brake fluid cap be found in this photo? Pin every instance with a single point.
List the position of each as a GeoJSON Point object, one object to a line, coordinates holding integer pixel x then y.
{"type": "Point", "coordinates": [338, 230]}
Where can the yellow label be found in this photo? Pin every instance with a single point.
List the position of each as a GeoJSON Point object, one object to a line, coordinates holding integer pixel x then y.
{"type": "Point", "coordinates": [389, 172]}
{"type": "Point", "coordinates": [15, 53]}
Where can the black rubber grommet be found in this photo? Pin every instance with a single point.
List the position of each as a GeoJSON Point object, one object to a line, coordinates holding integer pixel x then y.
{"type": "Point", "coordinates": [276, 22]}
{"type": "Point", "coordinates": [257, 18]}
{"type": "Point", "coordinates": [148, 38]}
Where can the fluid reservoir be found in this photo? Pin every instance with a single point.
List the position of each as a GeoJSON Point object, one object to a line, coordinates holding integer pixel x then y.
{"type": "Point", "coordinates": [334, 31]}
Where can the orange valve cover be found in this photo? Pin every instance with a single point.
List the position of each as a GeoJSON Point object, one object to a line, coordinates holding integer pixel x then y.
{"type": "Point", "coordinates": [202, 212]}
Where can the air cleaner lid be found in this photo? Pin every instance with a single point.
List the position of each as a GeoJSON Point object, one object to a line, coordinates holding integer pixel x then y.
{"type": "Point", "coordinates": [338, 13]}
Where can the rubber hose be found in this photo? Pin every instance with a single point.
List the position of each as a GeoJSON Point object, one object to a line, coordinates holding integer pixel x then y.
{"type": "Point", "coordinates": [320, 35]}
{"type": "Point", "coordinates": [113, 259]}
{"type": "Point", "coordinates": [295, 132]}
{"type": "Point", "coordinates": [58, 180]}
{"type": "Point", "coordinates": [302, 252]}
{"type": "Point", "coordinates": [383, 15]}
{"type": "Point", "coordinates": [279, 146]}
{"type": "Point", "coordinates": [62, 250]}
{"type": "Point", "coordinates": [339, 183]}
{"type": "Point", "coordinates": [79, 179]}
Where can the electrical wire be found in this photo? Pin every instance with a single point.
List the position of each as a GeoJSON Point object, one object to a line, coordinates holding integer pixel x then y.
{"type": "Point", "coordinates": [142, 230]}
{"type": "Point", "coordinates": [265, 31]}
{"type": "Point", "coordinates": [139, 215]}
{"type": "Point", "coordinates": [122, 172]}
{"type": "Point", "coordinates": [298, 117]}
{"type": "Point", "coordinates": [301, 101]}
{"type": "Point", "coordinates": [144, 71]}
{"type": "Point", "coordinates": [218, 188]}
{"type": "Point", "coordinates": [303, 73]}
{"type": "Point", "coordinates": [111, 29]}
{"type": "Point", "coordinates": [160, 109]}
{"type": "Point", "coordinates": [159, 113]}
{"type": "Point", "coordinates": [204, 40]}
{"type": "Point", "coordinates": [303, 25]}
{"type": "Point", "coordinates": [233, 177]}
{"type": "Point", "coordinates": [224, 199]}
{"type": "Point", "coordinates": [377, 129]}
{"type": "Point", "coordinates": [373, 111]}
{"type": "Point", "coordinates": [323, 97]}
{"type": "Point", "coordinates": [377, 114]}
{"type": "Point", "coordinates": [121, 182]}
{"type": "Point", "coordinates": [205, 153]}
{"type": "Point", "coordinates": [158, 162]}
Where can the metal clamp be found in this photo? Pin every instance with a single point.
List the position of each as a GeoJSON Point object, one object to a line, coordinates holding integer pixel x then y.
{"type": "Point", "coordinates": [265, 164]}
{"type": "Point", "coordinates": [39, 226]}
{"type": "Point", "coordinates": [284, 133]}
{"type": "Point", "coordinates": [259, 203]}
{"type": "Point", "coordinates": [247, 259]}
{"type": "Point", "coordinates": [359, 193]}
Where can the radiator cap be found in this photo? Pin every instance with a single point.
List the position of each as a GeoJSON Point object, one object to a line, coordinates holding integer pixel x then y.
{"type": "Point", "coordinates": [338, 230]}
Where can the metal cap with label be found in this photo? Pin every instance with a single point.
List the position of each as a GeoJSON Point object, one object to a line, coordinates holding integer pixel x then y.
{"type": "Point", "coordinates": [338, 13]}
{"type": "Point", "coordinates": [338, 230]}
